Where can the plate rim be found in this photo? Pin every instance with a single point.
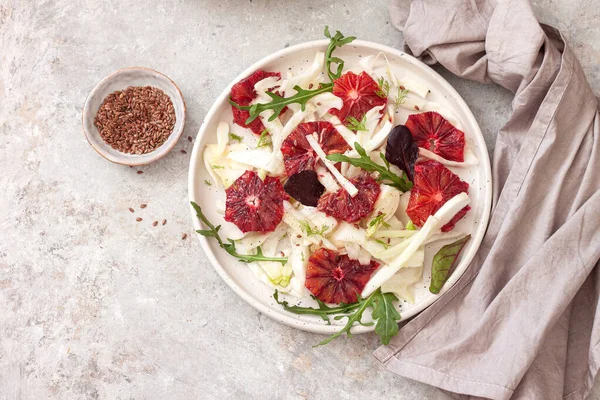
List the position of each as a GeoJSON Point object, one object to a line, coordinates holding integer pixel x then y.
{"type": "Point", "coordinates": [282, 316]}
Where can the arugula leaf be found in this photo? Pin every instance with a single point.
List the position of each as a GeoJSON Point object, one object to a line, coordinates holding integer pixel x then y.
{"type": "Point", "coordinates": [324, 311]}
{"type": "Point", "coordinates": [383, 311]}
{"type": "Point", "coordinates": [355, 125]}
{"type": "Point", "coordinates": [207, 182]}
{"type": "Point", "coordinates": [443, 263]}
{"type": "Point", "coordinates": [233, 136]}
{"type": "Point", "coordinates": [338, 40]}
{"type": "Point", "coordinates": [384, 88]}
{"type": "Point", "coordinates": [355, 318]}
{"type": "Point", "coordinates": [229, 247]}
{"type": "Point", "coordinates": [386, 315]}
{"type": "Point", "coordinates": [386, 176]}
{"type": "Point", "coordinates": [264, 139]}
{"type": "Point", "coordinates": [278, 103]}
{"type": "Point", "coordinates": [400, 98]}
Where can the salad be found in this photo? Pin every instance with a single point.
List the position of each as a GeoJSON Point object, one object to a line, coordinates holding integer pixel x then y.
{"type": "Point", "coordinates": [333, 195]}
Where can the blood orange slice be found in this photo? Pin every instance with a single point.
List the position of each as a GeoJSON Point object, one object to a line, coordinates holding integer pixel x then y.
{"type": "Point", "coordinates": [243, 93]}
{"type": "Point", "coordinates": [297, 153]}
{"type": "Point", "coordinates": [341, 205]}
{"type": "Point", "coordinates": [335, 278]}
{"type": "Point", "coordinates": [433, 132]}
{"type": "Point", "coordinates": [433, 186]}
{"type": "Point", "coordinates": [254, 205]}
{"type": "Point", "coordinates": [358, 93]}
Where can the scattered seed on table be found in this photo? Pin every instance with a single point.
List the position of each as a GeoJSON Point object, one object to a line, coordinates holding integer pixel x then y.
{"type": "Point", "coordinates": [189, 138]}
{"type": "Point", "coordinates": [143, 205]}
{"type": "Point", "coordinates": [164, 221]}
{"type": "Point", "coordinates": [131, 209]}
{"type": "Point", "coordinates": [183, 151]}
{"type": "Point", "coordinates": [138, 219]}
{"type": "Point", "coordinates": [155, 223]}
{"type": "Point", "coordinates": [140, 172]}
{"type": "Point", "coordinates": [184, 236]}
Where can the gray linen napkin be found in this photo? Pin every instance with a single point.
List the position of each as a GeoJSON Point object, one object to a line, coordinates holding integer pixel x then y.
{"type": "Point", "coordinates": [523, 322]}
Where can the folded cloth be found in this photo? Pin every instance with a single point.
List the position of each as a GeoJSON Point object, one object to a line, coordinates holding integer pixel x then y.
{"type": "Point", "coordinates": [523, 321]}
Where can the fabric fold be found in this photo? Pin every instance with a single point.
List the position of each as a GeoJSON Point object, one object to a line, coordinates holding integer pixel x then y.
{"type": "Point", "coordinates": [523, 321]}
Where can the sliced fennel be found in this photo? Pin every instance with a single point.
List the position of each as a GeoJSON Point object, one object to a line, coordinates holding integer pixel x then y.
{"type": "Point", "coordinates": [345, 183]}
{"type": "Point", "coordinates": [259, 159]}
{"type": "Point", "coordinates": [470, 158]}
{"type": "Point", "coordinates": [222, 170]}
{"type": "Point", "coordinates": [326, 178]}
{"type": "Point", "coordinates": [307, 77]}
{"type": "Point", "coordinates": [433, 223]}
{"type": "Point", "coordinates": [349, 233]}
{"type": "Point", "coordinates": [277, 273]}
{"type": "Point", "coordinates": [392, 233]}
{"type": "Point", "coordinates": [402, 283]}
{"type": "Point", "coordinates": [298, 258]}
{"type": "Point", "coordinates": [346, 133]}
{"type": "Point", "coordinates": [324, 102]}
{"type": "Point", "coordinates": [384, 209]}
{"type": "Point", "coordinates": [303, 227]}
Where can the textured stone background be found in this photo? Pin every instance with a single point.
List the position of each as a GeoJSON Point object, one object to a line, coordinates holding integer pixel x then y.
{"type": "Point", "coordinates": [96, 305]}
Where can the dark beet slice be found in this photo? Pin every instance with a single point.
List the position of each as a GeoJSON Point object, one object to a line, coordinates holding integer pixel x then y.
{"type": "Point", "coordinates": [358, 93]}
{"type": "Point", "coordinates": [305, 187]}
{"type": "Point", "coordinates": [342, 206]}
{"type": "Point", "coordinates": [433, 132]}
{"type": "Point", "coordinates": [335, 278]}
{"type": "Point", "coordinates": [434, 185]}
{"type": "Point", "coordinates": [298, 155]}
{"type": "Point", "coordinates": [254, 205]}
{"type": "Point", "coordinates": [243, 93]}
{"type": "Point", "coordinates": [401, 150]}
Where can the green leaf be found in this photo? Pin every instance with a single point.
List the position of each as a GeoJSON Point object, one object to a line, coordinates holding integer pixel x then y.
{"type": "Point", "coordinates": [323, 311]}
{"type": "Point", "coordinates": [386, 175]}
{"type": "Point", "coordinates": [310, 231]}
{"type": "Point", "coordinates": [264, 139]}
{"type": "Point", "coordinates": [386, 315]}
{"type": "Point", "coordinates": [338, 40]}
{"type": "Point", "coordinates": [376, 223]}
{"type": "Point", "coordinates": [355, 318]}
{"type": "Point", "coordinates": [207, 182]}
{"type": "Point", "coordinates": [217, 167]}
{"type": "Point", "coordinates": [233, 136]}
{"type": "Point", "coordinates": [384, 244]}
{"type": "Point", "coordinates": [355, 125]}
{"type": "Point", "coordinates": [443, 263]}
{"type": "Point", "coordinates": [383, 311]}
{"type": "Point", "coordinates": [384, 88]}
{"type": "Point", "coordinates": [400, 98]}
{"type": "Point", "coordinates": [230, 247]}
{"type": "Point", "coordinates": [410, 226]}
{"type": "Point", "coordinates": [278, 103]}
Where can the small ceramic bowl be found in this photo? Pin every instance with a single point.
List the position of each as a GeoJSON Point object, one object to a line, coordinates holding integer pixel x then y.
{"type": "Point", "coordinates": [121, 80]}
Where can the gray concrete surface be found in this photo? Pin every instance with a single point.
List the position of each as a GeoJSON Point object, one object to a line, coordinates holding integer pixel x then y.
{"type": "Point", "coordinates": [94, 305]}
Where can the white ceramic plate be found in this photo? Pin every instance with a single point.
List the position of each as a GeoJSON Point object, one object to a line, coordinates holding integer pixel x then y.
{"type": "Point", "coordinates": [296, 58]}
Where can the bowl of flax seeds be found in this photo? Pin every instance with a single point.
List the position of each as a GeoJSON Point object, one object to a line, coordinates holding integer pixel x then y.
{"type": "Point", "coordinates": [134, 116]}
